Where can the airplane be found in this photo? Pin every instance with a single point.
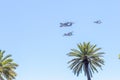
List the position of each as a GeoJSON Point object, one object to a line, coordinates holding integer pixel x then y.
{"type": "Point", "coordinates": [98, 22]}
{"type": "Point", "coordinates": [68, 34]}
{"type": "Point", "coordinates": [66, 24]}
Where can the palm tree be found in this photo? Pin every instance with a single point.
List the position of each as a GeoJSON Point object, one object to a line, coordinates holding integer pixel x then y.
{"type": "Point", "coordinates": [7, 67]}
{"type": "Point", "coordinates": [87, 58]}
{"type": "Point", "coordinates": [119, 56]}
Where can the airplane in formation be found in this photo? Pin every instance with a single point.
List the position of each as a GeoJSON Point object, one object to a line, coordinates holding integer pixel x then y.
{"type": "Point", "coordinates": [98, 22]}
{"type": "Point", "coordinates": [68, 34]}
{"type": "Point", "coordinates": [66, 24]}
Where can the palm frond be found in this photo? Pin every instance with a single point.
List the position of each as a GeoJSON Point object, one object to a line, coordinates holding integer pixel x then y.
{"type": "Point", "coordinates": [7, 61]}
{"type": "Point", "coordinates": [6, 57]}
{"type": "Point", "coordinates": [1, 54]}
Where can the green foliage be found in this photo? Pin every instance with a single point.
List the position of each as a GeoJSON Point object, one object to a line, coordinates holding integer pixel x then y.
{"type": "Point", "coordinates": [119, 56]}
{"type": "Point", "coordinates": [86, 58]}
{"type": "Point", "coordinates": [7, 67]}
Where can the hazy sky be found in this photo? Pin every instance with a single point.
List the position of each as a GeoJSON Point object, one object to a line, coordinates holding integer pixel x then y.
{"type": "Point", "coordinates": [29, 30]}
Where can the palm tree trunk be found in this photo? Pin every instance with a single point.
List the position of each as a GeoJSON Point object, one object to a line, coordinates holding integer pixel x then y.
{"type": "Point", "coordinates": [88, 76]}
{"type": "Point", "coordinates": [87, 71]}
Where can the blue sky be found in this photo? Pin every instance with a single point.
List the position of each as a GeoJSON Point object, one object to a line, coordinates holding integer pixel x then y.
{"type": "Point", "coordinates": [29, 30]}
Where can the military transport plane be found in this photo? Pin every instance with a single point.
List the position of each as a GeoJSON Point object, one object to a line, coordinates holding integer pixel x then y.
{"type": "Point", "coordinates": [68, 34]}
{"type": "Point", "coordinates": [98, 22]}
{"type": "Point", "coordinates": [66, 24]}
